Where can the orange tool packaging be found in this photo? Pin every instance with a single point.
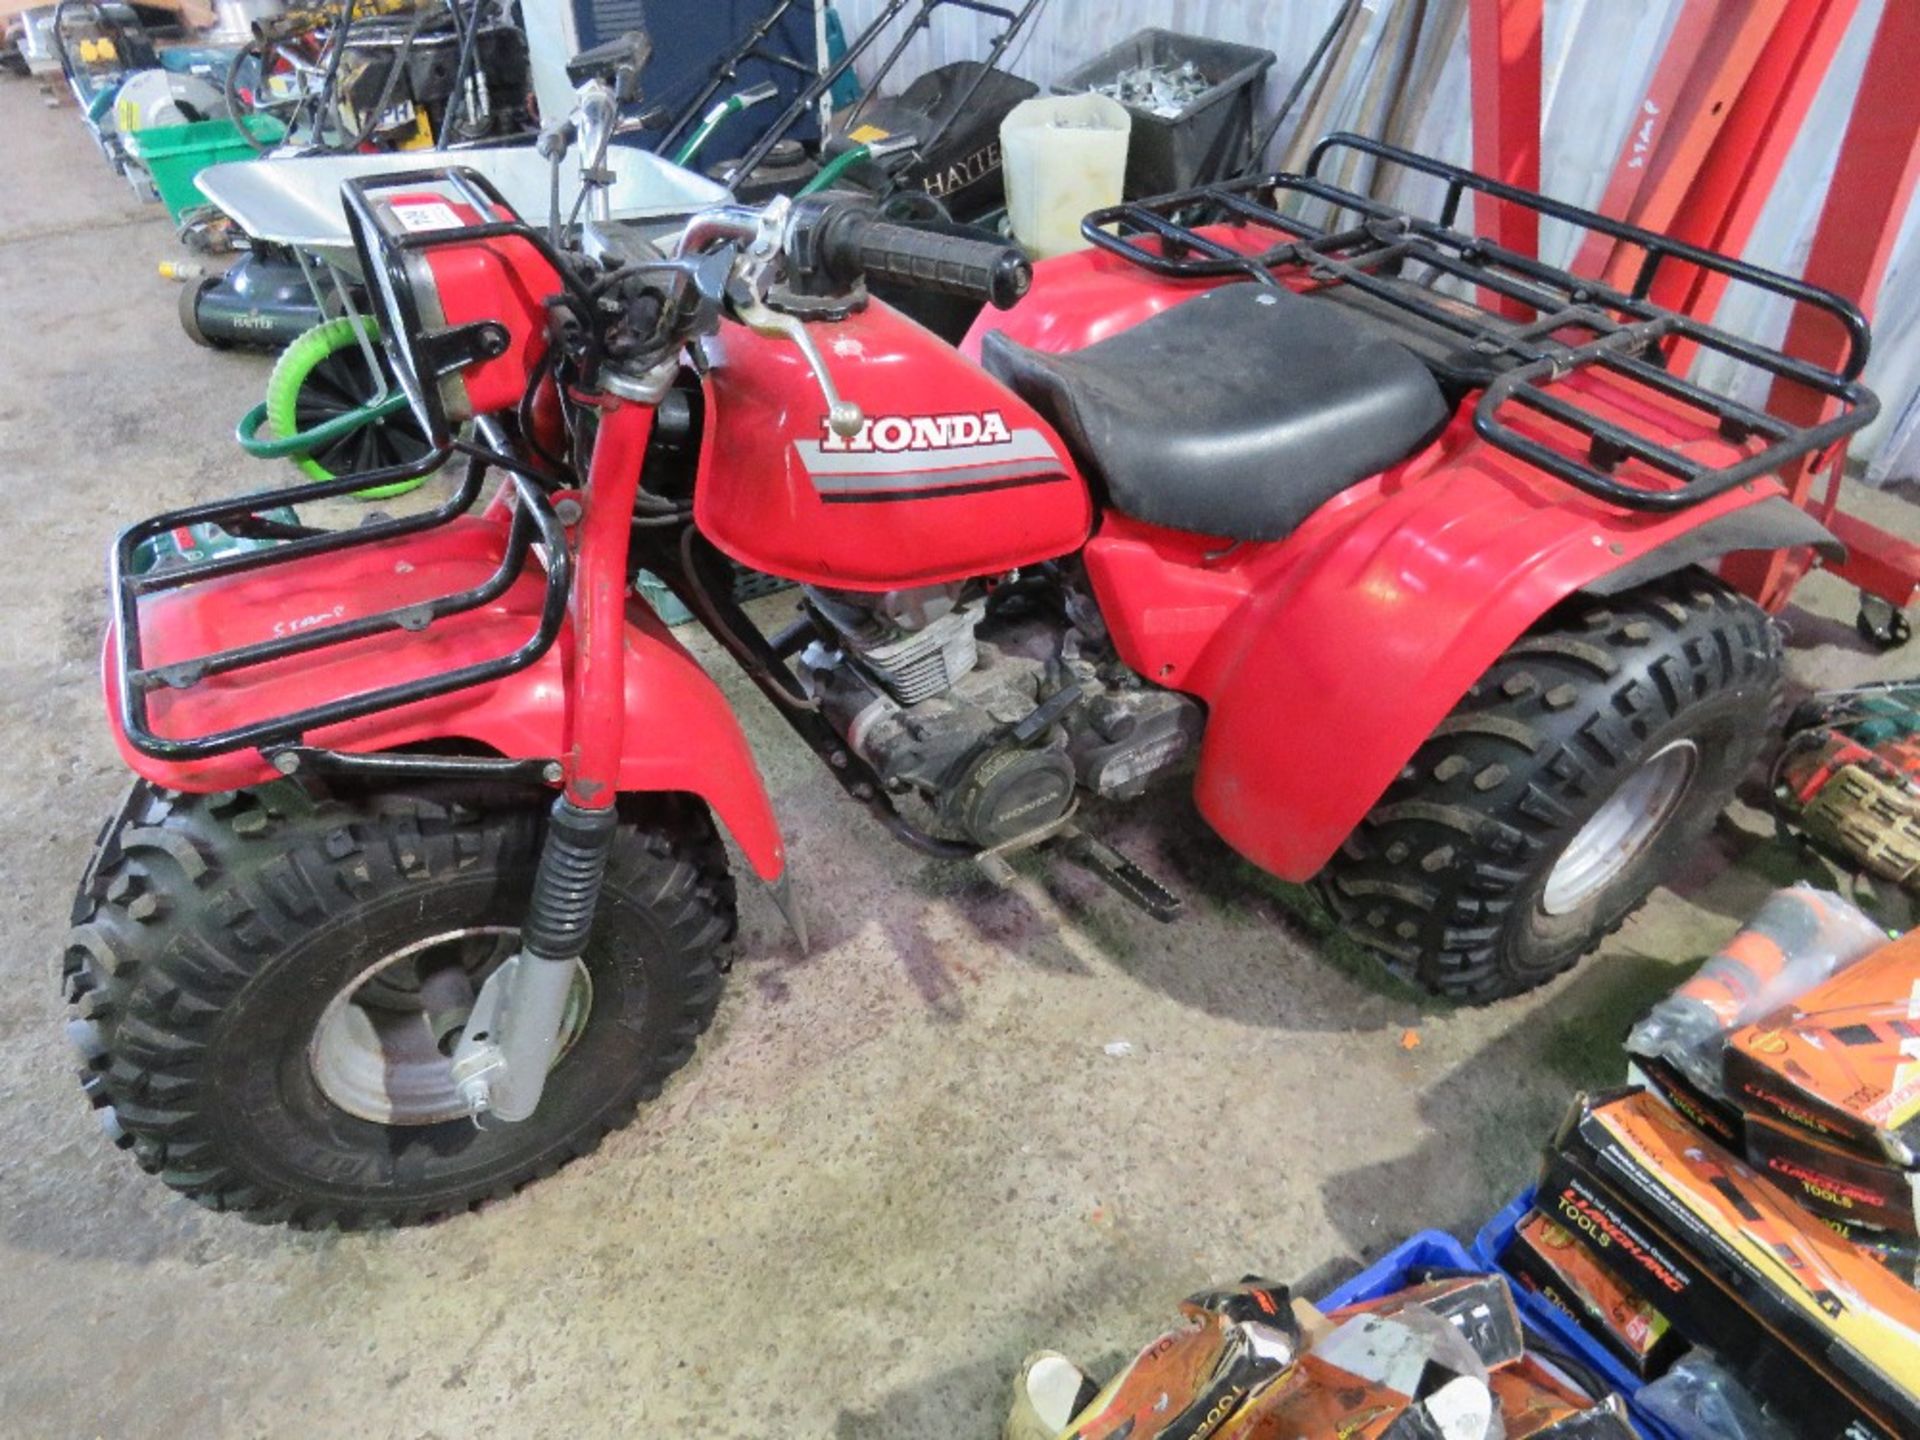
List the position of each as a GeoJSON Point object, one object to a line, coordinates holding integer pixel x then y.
{"type": "Point", "coordinates": [1442, 1359]}
{"type": "Point", "coordinates": [1186, 1383]}
{"type": "Point", "coordinates": [1712, 1115]}
{"type": "Point", "coordinates": [1797, 939]}
{"type": "Point", "coordinates": [1833, 1182]}
{"type": "Point", "coordinates": [1531, 1399]}
{"type": "Point", "coordinates": [1547, 1261]}
{"type": "Point", "coordinates": [1826, 1333]}
{"type": "Point", "coordinates": [1899, 1253]}
{"type": "Point", "coordinates": [1843, 1060]}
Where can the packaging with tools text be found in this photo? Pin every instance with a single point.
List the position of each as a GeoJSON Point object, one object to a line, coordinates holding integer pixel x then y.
{"type": "Point", "coordinates": [1712, 1114]}
{"type": "Point", "coordinates": [1898, 1253]}
{"type": "Point", "coordinates": [1843, 1060]}
{"type": "Point", "coordinates": [1547, 1261]}
{"type": "Point", "coordinates": [1639, 1255]}
{"type": "Point", "coordinates": [1744, 1269]}
{"type": "Point", "coordinates": [1832, 1181]}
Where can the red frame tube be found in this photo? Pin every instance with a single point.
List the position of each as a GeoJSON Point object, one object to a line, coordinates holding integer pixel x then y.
{"type": "Point", "coordinates": [1713, 49]}
{"type": "Point", "coordinates": [1503, 52]}
{"type": "Point", "coordinates": [596, 686]}
{"type": "Point", "coordinates": [1873, 181]}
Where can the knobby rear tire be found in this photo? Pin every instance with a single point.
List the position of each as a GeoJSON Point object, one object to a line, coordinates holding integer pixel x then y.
{"type": "Point", "coordinates": [1445, 877]}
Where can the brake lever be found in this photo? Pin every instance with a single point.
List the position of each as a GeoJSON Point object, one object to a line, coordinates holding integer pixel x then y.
{"type": "Point", "coordinates": [844, 417]}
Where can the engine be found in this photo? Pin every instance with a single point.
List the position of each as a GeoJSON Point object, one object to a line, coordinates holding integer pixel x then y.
{"type": "Point", "coordinates": [991, 704]}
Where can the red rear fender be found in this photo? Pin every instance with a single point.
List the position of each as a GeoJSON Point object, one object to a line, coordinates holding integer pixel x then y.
{"type": "Point", "coordinates": [680, 732]}
{"type": "Point", "coordinates": [1328, 657]}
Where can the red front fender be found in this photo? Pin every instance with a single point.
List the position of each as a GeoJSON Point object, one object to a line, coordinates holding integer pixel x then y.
{"type": "Point", "coordinates": [680, 733]}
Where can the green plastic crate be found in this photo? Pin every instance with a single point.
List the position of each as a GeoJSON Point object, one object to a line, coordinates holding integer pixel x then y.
{"type": "Point", "coordinates": [174, 154]}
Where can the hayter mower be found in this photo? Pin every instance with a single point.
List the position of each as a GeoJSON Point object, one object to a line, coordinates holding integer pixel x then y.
{"type": "Point", "coordinates": [419, 891]}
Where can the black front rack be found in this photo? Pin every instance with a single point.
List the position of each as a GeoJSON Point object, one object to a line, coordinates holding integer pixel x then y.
{"type": "Point", "coordinates": [534, 521]}
{"type": "Point", "coordinates": [422, 357]}
{"type": "Point", "coordinates": [1389, 263]}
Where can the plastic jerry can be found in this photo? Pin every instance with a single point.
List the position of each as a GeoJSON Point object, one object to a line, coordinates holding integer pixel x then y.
{"type": "Point", "coordinates": [1064, 156]}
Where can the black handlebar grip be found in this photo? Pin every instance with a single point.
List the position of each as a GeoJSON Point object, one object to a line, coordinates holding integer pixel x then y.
{"type": "Point", "coordinates": [856, 244]}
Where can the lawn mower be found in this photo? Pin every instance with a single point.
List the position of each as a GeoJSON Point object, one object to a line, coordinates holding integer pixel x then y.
{"type": "Point", "coordinates": [1401, 538]}
{"type": "Point", "coordinates": [939, 138]}
{"type": "Point", "coordinates": [98, 46]}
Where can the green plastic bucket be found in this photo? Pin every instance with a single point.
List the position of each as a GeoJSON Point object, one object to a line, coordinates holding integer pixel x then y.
{"type": "Point", "coordinates": [174, 154]}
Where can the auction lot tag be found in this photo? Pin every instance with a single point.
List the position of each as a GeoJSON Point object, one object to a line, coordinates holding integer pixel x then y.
{"type": "Point", "coordinates": [418, 215]}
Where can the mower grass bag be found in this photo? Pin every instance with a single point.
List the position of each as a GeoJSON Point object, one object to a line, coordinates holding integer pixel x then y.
{"type": "Point", "coordinates": [1823, 1332]}
{"type": "Point", "coordinates": [1843, 1061]}
{"type": "Point", "coordinates": [1849, 779]}
{"type": "Point", "coordinates": [958, 108]}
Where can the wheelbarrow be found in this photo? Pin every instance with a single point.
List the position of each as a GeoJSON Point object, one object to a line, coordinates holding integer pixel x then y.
{"type": "Point", "coordinates": [332, 405]}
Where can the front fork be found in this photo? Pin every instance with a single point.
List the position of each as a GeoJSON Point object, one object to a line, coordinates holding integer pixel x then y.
{"type": "Point", "coordinates": [507, 1045]}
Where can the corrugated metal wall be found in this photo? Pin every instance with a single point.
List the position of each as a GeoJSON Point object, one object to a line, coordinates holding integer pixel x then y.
{"type": "Point", "coordinates": [1599, 57]}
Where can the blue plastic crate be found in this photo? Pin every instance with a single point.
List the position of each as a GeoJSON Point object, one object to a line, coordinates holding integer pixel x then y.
{"type": "Point", "coordinates": [1556, 1324]}
{"type": "Point", "coordinates": [1389, 1273]}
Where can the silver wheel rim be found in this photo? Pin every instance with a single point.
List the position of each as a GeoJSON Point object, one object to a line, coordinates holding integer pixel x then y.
{"type": "Point", "coordinates": [1621, 829]}
{"type": "Point", "coordinates": [374, 1052]}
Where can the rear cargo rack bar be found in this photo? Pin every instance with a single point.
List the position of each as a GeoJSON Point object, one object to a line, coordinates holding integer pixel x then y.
{"type": "Point", "coordinates": [1580, 324]}
{"type": "Point", "coordinates": [534, 523]}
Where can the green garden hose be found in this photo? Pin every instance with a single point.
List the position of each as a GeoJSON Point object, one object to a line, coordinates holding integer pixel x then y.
{"type": "Point", "coordinates": [320, 378]}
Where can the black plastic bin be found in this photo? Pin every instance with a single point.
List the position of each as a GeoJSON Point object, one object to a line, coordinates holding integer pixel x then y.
{"type": "Point", "coordinates": [1207, 141]}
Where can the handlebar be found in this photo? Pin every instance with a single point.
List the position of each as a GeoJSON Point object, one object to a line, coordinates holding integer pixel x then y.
{"type": "Point", "coordinates": [848, 243]}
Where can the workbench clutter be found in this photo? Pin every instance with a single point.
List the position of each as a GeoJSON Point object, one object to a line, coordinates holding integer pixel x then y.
{"type": "Point", "coordinates": [1848, 779]}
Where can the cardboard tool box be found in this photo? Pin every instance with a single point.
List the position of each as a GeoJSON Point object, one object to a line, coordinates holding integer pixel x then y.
{"type": "Point", "coordinates": [1834, 1182]}
{"type": "Point", "coordinates": [1713, 1116]}
{"type": "Point", "coordinates": [1547, 1261]}
{"type": "Point", "coordinates": [1843, 1060]}
{"type": "Point", "coordinates": [1899, 1253]}
{"type": "Point", "coordinates": [1826, 1333]}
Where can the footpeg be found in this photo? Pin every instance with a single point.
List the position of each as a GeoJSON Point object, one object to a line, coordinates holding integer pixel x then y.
{"type": "Point", "coordinates": [1132, 883]}
{"type": "Point", "coordinates": [1128, 879]}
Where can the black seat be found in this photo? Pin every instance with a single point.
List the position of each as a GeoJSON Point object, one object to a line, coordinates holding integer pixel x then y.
{"type": "Point", "coordinates": [1238, 413]}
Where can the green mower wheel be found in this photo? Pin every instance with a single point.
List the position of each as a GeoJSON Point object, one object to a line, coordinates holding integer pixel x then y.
{"type": "Point", "coordinates": [322, 376]}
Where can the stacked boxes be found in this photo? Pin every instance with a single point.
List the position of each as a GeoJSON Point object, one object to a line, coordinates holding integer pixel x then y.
{"type": "Point", "coordinates": [1811, 1323]}
{"type": "Point", "coordinates": [1830, 1085]}
{"type": "Point", "coordinates": [1760, 1198]}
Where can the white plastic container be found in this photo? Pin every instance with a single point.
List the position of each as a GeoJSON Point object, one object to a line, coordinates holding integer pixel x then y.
{"type": "Point", "coordinates": [1064, 155]}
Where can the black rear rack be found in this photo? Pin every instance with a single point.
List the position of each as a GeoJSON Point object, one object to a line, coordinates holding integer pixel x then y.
{"type": "Point", "coordinates": [1389, 262]}
{"type": "Point", "coordinates": [534, 522]}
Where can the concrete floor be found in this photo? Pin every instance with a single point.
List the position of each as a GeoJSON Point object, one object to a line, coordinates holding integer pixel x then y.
{"type": "Point", "coordinates": [895, 1166]}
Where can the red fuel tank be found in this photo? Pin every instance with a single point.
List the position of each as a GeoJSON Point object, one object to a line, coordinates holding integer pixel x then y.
{"type": "Point", "coordinates": [952, 475]}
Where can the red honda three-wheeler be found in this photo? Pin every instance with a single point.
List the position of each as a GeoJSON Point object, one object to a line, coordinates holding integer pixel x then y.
{"type": "Point", "coordinates": [1404, 540]}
